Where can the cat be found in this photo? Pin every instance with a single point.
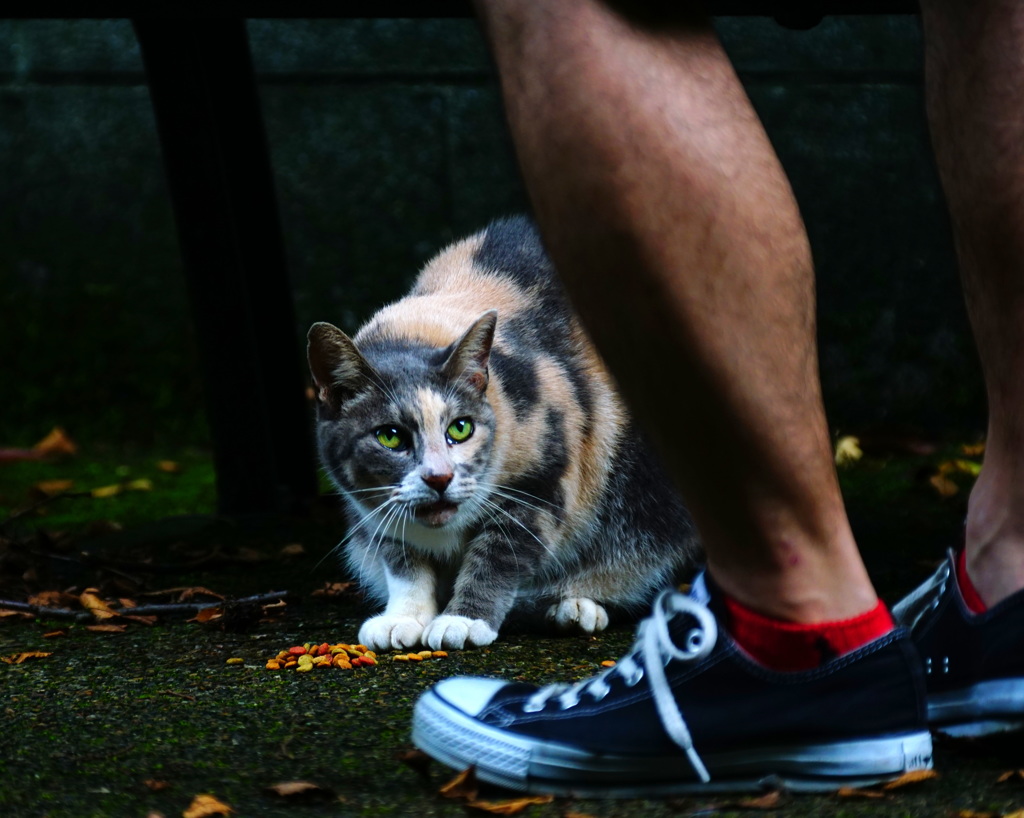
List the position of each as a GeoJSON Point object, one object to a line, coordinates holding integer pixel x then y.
{"type": "Point", "coordinates": [486, 461]}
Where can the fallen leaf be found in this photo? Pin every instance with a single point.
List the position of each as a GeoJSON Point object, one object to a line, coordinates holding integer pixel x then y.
{"type": "Point", "coordinates": [334, 589]}
{"type": "Point", "coordinates": [970, 813]}
{"type": "Point", "coordinates": [294, 549]}
{"type": "Point", "coordinates": [573, 814]}
{"type": "Point", "coordinates": [155, 785]}
{"type": "Point", "coordinates": [188, 594]}
{"type": "Point", "coordinates": [20, 658]}
{"type": "Point", "coordinates": [1019, 813]}
{"type": "Point", "coordinates": [54, 634]}
{"type": "Point", "coordinates": [142, 484]}
{"type": "Point", "coordinates": [203, 806]}
{"type": "Point", "coordinates": [913, 777]}
{"type": "Point", "coordinates": [51, 488]}
{"type": "Point", "coordinates": [168, 466]}
{"type": "Point", "coordinates": [90, 600]}
{"type": "Point", "coordinates": [6, 614]}
{"type": "Point", "coordinates": [770, 800]}
{"type": "Point", "coordinates": [858, 792]}
{"type": "Point", "coordinates": [204, 615]}
{"type": "Point", "coordinates": [107, 491]}
{"type": "Point", "coordinates": [973, 449]}
{"type": "Point", "coordinates": [848, 451]}
{"type": "Point", "coordinates": [53, 599]}
{"type": "Point", "coordinates": [464, 785]}
{"type": "Point", "coordinates": [1011, 775]}
{"type": "Point", "coordinates": [943, 485]}
{"type": "Point", "coordinates": [107, 628]}
{"type": "Point", "coordinates": [299, 791]}
{"type": "Point", "coordinates": [56, 442]}
{"type": "Point", "coordinates": [510, 806]}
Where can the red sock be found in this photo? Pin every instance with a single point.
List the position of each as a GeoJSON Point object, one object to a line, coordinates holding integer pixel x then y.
{"type": "Point", "coordinates": [967, 590]}
{"type": "Point", "coordinates": [783, 645]}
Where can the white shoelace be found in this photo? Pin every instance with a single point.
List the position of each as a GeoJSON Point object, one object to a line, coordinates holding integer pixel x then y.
{"type": "Point", "coordinates": [651, 652]}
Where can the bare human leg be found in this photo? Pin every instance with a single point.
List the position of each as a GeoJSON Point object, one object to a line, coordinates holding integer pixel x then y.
{"type": "Point", "coordinates": [675, 229]}
{"type": "Point", "coordinates": [975, 88]}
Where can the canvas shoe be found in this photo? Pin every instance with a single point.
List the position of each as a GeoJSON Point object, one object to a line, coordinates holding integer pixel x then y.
{"type": "Point", "coordinates": [973, 663]}
{"type": "Point", "coordinates": [686, 710]}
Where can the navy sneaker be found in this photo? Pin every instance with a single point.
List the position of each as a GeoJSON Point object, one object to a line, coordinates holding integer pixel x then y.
{"type": "Point", "coordinates": [973, 663]}
{"type": "Point", "coordinates": [685, 711]}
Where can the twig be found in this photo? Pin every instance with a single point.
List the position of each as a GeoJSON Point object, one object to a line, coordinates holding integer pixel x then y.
{"type": "Point", "coordinates": [142, 610]}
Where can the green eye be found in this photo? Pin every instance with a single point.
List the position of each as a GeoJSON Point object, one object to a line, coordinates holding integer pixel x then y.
{"type": "Point", "coordinates": [390, 438]}
{"type": "Point", "coordinates": [460, 430]}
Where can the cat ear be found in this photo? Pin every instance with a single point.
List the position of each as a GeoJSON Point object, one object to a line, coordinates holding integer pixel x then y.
{"type": "Point", "coordinates": [338, 368]}
{"type": "Point", "coordinates": [468, 360]}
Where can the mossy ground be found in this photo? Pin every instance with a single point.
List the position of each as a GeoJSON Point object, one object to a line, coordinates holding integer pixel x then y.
{"type": "Point", "coordinates": [85, 728]}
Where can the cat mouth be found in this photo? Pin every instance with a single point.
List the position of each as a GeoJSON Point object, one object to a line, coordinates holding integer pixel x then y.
{"type": "Point", "coordinates": [436, 514]}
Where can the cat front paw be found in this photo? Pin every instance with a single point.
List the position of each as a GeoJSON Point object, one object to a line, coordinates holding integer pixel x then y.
{"type": "Point", "coordinates": [389, 631]}
{"type": "Point", "coordinates": [579, 614]}
{"type": "Point", "coordinates": [457, 632]}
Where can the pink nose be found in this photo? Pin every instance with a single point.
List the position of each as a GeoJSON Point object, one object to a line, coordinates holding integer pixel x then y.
{"type": "Point", "coordinates": [438, 482]}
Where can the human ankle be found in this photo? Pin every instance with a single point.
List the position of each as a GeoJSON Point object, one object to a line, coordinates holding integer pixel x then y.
{"type": "Point", "coordinates": [994, 542]}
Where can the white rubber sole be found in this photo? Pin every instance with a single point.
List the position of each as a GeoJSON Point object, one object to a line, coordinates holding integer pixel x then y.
{"type": "Point", "coordinates": [983, 709]}
{"type": "Point", "coordinates": [531, 765]}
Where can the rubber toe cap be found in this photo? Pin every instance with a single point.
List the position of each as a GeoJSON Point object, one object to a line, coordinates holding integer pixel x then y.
{"type": "Point", "coordinates": [469, 694]}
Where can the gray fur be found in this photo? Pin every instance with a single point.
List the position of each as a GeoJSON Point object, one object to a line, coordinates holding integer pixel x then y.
{"type": "Point", "coordinates": [553, 503]}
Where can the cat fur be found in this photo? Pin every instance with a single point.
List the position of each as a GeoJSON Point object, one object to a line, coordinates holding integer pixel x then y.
{"type": "Point", "coordinates": [553, 504]}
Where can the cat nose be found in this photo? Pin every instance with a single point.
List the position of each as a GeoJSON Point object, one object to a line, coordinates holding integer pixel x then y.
{"type": "Point", "coordinates": [438, 482]}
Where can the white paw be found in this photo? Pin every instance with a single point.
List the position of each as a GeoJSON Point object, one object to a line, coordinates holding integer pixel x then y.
{"type": "Point", "coordinates": [579, 614]}
{"type": "Point", "coordinates": [458, 632]}
{"type": "Point", "coordinates": [390, 631]}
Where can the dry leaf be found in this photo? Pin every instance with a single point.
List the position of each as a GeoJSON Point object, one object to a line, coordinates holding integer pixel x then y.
{"type": "Point", "coordinates": [168, 466]}
{"type": "Point", "coordinates": [54, 634]}
{"type": "Point", "coordinates": [107, 491]}
{"type": "Point", "coordinates": [94, 605]}
{"type": "Point", "coordinates": [5, 614]}
{"type": "Point", "coordinates": [770, 800]}
{"type": "Point", "coordinates": [973, 449]}
{"type": "Point", "coordinates": [913, 777]}
{"type": "Point", "coordinates": [510, 806]}
{"type": "Point", "coordinates": [56, 442]}
{"type": "Point", "coordinates": [155, 785]}
{"type": "Point", "coordinates": [858, 792]}
{"type": "Point", "coordinates": [462, 786]}
{"type": "Point", "coordinates": [19, 658]}
{"type": "Point", "coordinates": [53, 599]}
{"type": "Point", "coordinates": [203, 806]}
{"type": "Point", "coordinates": [294, 549]}
{"type": "Point", "coordinates": [848, 451]}
{"type": "Point", "coordinates": [299, 791]}
{"type": "Point", "coordinates": [205, 615]}
{"type": "Point", "coordinates": [574, 814]}
{"type": "Point", "coordinates": [188, 594]}
{"type": "Point", "coordinates": [107, 628]}
{"type": "Point", "coordinates": [1019, 813]}
{"type": "Point", "coordinates": [970, 813]}
{"type": "Point", "coordinates": [51, 488]}
{"type": "Point", "coordinates": [1011, 775]}
{"type": "Point", "coordinates": [334, 589]}
{"type": "Point", "coordinates": [943, 485]}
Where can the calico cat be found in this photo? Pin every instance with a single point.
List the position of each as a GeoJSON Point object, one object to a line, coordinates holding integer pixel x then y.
{"type": "Point", "coordinates": [485, 458]}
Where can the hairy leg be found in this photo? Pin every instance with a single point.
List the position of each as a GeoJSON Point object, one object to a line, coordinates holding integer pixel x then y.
{"type": "Point", "coordinates": [975, 87]}
{"type": "Point", "coordinates": [672, 222]}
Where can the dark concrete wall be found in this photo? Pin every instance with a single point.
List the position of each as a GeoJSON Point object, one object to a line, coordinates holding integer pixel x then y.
{"type": "Point", "coordinates": [388, 142]}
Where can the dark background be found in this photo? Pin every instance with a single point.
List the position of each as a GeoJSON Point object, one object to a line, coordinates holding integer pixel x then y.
{"type": "Point", "coordinates": [388, 142]}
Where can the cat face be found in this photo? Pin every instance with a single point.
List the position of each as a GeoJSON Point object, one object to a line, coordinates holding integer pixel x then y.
{"type": "Point", "coordinates": [405, 430]}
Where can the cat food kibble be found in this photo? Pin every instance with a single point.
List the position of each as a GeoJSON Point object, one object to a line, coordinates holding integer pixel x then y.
{"type": "Point", "coordinates": [420, 656]}
{"type": "Point", "coordinates": [304, 658]}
